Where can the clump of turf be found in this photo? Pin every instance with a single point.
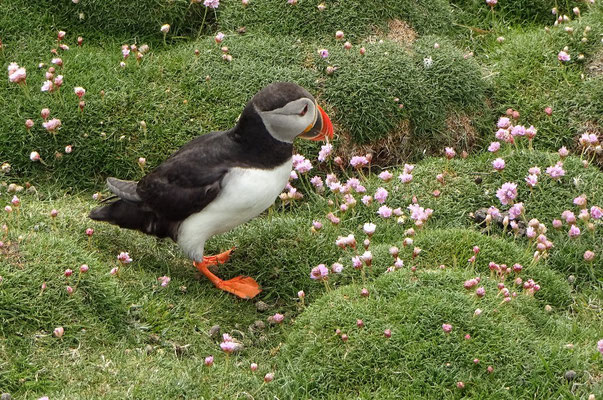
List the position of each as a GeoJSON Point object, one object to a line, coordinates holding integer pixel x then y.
{"type": "Point", "coordinates": [518, 340]}
{"type": "Point", "coordinates": [358, 19]}
{"type": "Point", "coordinates": [429, 84]}
{"type": "Point", "coordinates": [99, 18]}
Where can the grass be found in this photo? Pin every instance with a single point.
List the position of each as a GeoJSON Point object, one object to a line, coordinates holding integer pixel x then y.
{"type": "Point", "coordinates": [128, 337]}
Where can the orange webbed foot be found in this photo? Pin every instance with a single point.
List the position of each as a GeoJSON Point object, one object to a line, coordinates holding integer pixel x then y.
{"type": "Point", "coordinates": [218, 258]}
{"type": "Point", "coordinates": [241, 286]}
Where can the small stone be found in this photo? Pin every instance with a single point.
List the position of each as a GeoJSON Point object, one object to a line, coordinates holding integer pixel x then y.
{"type": "Point", "coordinates": [214, 331]}
{"type": "Point", "coordinates": [148, 349]}
{"type": "Point", "coordinates": [154, 338]}
{"type": "Point", "coordinates": [6, 396]}
{"type": "Point", "coordinates": [258, 325]}
{"type": "Point", "coordinates": [570, 375]}
{"type": "Point", "coordinates": [548, 308]}
{"type": "Point", "coordinates": [261, 306]}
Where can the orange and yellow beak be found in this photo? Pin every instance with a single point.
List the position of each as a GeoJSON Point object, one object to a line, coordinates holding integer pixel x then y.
{"type": "Point", "coordinates": [322, 128]}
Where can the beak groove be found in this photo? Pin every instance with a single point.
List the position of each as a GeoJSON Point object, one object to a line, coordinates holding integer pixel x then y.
{"type": "Point", "coordinates": [326, 130]}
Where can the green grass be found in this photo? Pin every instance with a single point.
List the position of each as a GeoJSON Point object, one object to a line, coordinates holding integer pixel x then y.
{"type": "Point", "coordinates": [123, 332]}
{"type": "Point", "coordinates": [357, 18]}
{"type": "Point", "coordinates": [127, 337]}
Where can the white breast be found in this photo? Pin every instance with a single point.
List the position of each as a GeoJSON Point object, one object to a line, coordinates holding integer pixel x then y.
{"type": "Point", "coordinates": [246, 192]}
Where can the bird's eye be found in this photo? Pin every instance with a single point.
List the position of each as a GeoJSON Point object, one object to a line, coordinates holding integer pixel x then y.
{"type": "Point", "coordinates": [304, 111]}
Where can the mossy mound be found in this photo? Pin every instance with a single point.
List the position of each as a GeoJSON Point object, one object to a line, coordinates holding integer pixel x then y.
{"type": "Point", "coordinates": [524, 12]}
{"type": "Point", "coordinates": [357, 18]}
{"type": "Point", "coordinates": [529, 78]}
{"type": "Point", "coordinates": [523, 344]}
{"type": "Point", "coordinates": [180, 95]}
{"type": "Point", "coordinates": [101, 18]}
{"type": "Point", "coordinates": [430, 86]}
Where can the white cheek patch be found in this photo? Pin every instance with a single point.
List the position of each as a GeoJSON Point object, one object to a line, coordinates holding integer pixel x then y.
{"type": "Point", "coordinates": [285, 123]}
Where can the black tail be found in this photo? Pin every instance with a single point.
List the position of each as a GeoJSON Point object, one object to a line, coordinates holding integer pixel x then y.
{"type": "Point", "coordinates": [131, 215]}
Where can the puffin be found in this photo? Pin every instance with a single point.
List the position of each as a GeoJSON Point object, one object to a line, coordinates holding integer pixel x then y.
{"type": "Point", "coordinates": [221, 179]}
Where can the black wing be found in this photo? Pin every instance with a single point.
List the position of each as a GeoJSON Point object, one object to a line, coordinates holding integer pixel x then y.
{"type": "Point", "coordinates": [190, 179]}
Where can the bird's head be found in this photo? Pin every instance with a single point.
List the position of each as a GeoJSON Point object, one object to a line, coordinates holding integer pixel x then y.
{"type": "Point", "coordinates": [289, 111]}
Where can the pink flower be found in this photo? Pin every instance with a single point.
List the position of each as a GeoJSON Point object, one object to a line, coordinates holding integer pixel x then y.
{"type": "Point", "coordinates": [114, 270]}
{"type": "Point", "coordinates": [503, 122]}
{"type": "Point", "coordinates": [165, 28]}
{"type": "Point", "coordinates": [359, 323]}
{"type": "Point", "coordinates": [507, 193]}
{"type": "Point", "coordinates": [600, 346]}
{"type": "Point", "coordinates": [358, 161]}
{"type": "Point", "coordinates": [518, 130]}
{"type": "Point", "coordinates": [380, 195]}
{"type": "Point", "coordinates": [447, 328]}
{"type": "Point", "coordinates": [555, 171]}
{"type": "Point", "coordinates": [531, 132]}
{"type": "Point", "coordinates": [337, 268]}
{"type": "Point", "coordinates": [301, 294]}
{"type": "Point", "coordinates": [384, 212]}
{"type": "Point", "coordinates": [79, 91]}
{"type": "Point", "coordinates": [580, 201]}
{"type": "Point", "coordinates": [253, 367]}
{"type": "Point", "coordinates": [387, 333]}
{"type": "Point", "coordinates": [319, 272]}
{"type": "Point", "coordinates": [357, 262]}
{"type": "Point", "coordinates": [460, 384]}
{"type": "Point", "coordinates": [84, 268]}
{"type": "Point", "coordinates": [324, 53]}
{"type": "Point", "coordinates": [57, 61]}
{"type": "Point", "coordinates": [325, 152]}
{"type": "Point", "coordinates": [68, 149]}
{"type": "Point", "coordinates": [165, 280]}
{"type": "Point", "coordinates": [477, 312]}
{"type": "Point", "coordinates": [563, 56]}
{"type": "Point", "coordinates": [563, 152]}
{"type": "Point", "coordinates": [548, 111]}
{"type": "Point", "coordinates": [211, 3]}
{"type": "Point", "coordinates": [229, 347]}
{"type": "Point", "coordinates": [34, 156]}
{"type": "Point", "coordinates": [347, 45]}
{"type": "Point", "coordinates": [269, 377]}
{"type": "Point", "coordinates": [515, 211]}
{"type": "Point", "coordinates": [124, 258]}
{"type": "Point", "coordinates": [277, 318]}
{"type": "Point", "coordinates": [47, 86]}
{"type": "Point", "coordinates": [405, 177]}
{"type": "Point", "coordinates": [480, 292]}
{"type": "Point", "coordinates": [589, 256]}
{"type": "Point", "coordinates": [449, 153]}
{"type": "Point", "coordinates": [209, 361]}
{"type": "Point", "coordinates": [386, 176]}
{"type": "Point", "coordinates": [470, 283]}
{"type": "Point", "coordinates": [52, 125]}
{"type": "Point", "coordinates": [534, 171]}
{"type": "Point", "coordinates": [596, 212]}
{"type": "Point", "coordinates": [494, 147]}
{"type": "Point", "coordinates": [18, 75]}
{"type": "Point", "coordinates": [531, 180]}
{"type": "Point", "coordinates": [58, 332]}
{"type": "Point", "coordinates": [369, 228]}
{"type": "Point", "coordinates": [498, 164]}
{"type": "Point", "coordinates": [574, 231]}
{"type": "Point", "coordinates": [69, 290]}
{"type": "Point", "coordinates": [68, 272]}
{"type": "Point", "coordinates": [334, 220]}
{"type": "Point", "coordinates": [90, 232]}
{"type": "Point", "coordinates": [45, 113]}
{"type": "Point", "coordinates": [317, 225]}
